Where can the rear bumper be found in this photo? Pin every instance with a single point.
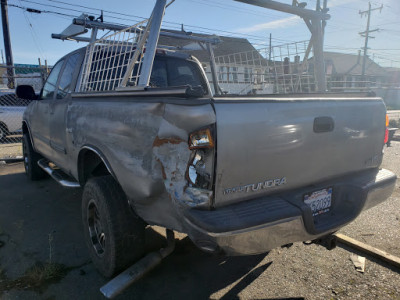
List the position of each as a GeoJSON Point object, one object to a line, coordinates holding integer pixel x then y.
{"type": "Point", "coordinates": [259, 225]}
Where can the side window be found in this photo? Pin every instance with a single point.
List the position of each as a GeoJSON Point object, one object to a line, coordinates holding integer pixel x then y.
{"type": "Point", "coordinates": [67, 75]}
{"type": "Point", "coordinates": [50, 85]}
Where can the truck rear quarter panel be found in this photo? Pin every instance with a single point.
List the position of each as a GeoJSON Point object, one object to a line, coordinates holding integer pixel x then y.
{"type": "Point", "coordinates": [145, 143]}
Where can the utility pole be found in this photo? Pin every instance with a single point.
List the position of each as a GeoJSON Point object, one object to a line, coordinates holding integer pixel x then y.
{"type": "Point", "coordinates": [367, 36]}
{"type": "Point", "coordinates": [7, 44]}
{"type": "Point", "coordinates": [270, 47]}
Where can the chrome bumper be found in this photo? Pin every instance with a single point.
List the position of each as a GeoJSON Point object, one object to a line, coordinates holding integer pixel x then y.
{"type": "Point", "coordinates": [259, 225]}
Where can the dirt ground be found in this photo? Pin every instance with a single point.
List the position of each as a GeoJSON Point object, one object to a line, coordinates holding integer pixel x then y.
{"type": "Point", "coordinates": [43, 255]}
{"type": "Point", "coordinates": [10, 150]}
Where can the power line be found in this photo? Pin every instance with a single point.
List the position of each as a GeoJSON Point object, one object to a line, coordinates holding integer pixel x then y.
{"type": "Point", "coordinates": [42, 11]}
{"type": "Point", "coordinates": [34, 35]}
{"type": "Point", "coordinates": [166, 22]}
{"type": "Point", "coordinates": [250, 36]}
{"type": "Point", "coordinates": [207, 30]}
{"type": "Point", "coordinates": [174, 25]}
{"type": "Point", "coordinates": [79, 11]}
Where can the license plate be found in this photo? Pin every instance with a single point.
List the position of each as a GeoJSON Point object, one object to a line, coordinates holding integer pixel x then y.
{"type": "Point", "coordinates": [319, 201]}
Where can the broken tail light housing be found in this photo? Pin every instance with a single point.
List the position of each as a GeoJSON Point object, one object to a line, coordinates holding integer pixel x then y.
{"type": "Point", "coordinates": [201, 165]}
{"type": "Point", "coordinates": [201, 139]}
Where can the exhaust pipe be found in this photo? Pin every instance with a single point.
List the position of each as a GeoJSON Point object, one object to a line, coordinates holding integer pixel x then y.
{"type": "Point", "coordinates": [118, 284]}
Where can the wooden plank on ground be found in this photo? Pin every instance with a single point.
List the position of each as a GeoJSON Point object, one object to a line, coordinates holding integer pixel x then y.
{"type": "Point", "coordinates": [389, 258]}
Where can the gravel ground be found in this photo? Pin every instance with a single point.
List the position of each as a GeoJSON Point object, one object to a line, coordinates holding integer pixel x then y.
{"type": "Point", "coordinates": [10, 151]}
{"type": "Point", "coordinates": [27, 215]}
{"type": "Point", "coordinates": [380, 226]}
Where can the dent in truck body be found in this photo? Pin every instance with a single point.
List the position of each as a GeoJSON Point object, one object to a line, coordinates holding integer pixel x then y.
{"type": "Point", "coordinates": [146, 146]}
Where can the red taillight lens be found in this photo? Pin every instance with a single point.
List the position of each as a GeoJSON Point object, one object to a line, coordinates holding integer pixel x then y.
{"type": "Point", "coordinates": [386, 136]}
{"type": "Point", "coordinates": [386, 130]}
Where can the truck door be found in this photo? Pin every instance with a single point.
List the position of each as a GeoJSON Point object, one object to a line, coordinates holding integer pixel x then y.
{"type": "Point", "coordinates": [58, 108]}
{"type": "Point", "coordinates": [41, 113]}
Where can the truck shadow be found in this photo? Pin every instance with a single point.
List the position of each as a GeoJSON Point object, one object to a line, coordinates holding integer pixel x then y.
{"type": "Point", "coordinates": [33, 209]}
{"type": "Point", "coordinates": [189, 273]}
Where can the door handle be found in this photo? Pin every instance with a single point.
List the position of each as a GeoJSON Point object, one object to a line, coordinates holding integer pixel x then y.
{"type": "Point", "coordinates": [323, 124]}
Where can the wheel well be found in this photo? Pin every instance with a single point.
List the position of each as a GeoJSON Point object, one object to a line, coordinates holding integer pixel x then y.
{"type": "Point", "coordinates": [25, 129]}
{"type": "Point", "coordinates": [90, 165]}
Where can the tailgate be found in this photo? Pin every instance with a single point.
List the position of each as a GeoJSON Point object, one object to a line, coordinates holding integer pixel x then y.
{"type": "Point", "coordinates": [269, 146]}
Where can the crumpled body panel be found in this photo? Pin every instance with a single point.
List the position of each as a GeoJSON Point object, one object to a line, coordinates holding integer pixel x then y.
{"type": "Point", "coordinates": [146, 146]}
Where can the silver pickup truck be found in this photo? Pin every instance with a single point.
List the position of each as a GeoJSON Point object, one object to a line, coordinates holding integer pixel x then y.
{"type": "Point", "coordinates": [241, 175]}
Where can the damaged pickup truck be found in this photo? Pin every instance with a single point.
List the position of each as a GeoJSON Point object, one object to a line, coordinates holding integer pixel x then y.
{"type": "Point", "coordinates": [241, 175]}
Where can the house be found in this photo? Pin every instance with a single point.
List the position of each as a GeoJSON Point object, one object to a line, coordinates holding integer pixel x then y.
{"type": "Point", "coordinates": [344, 72]}
{"type": "Point", "coordinates": [390, 91]}
{"type": "Point", "coordinates": [393, 76]}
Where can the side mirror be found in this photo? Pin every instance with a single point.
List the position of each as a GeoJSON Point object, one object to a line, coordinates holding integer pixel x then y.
{"type": "Point", "coordinates": [26, 92]}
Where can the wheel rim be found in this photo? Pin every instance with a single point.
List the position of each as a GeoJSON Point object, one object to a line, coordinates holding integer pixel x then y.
{"type": "Point", "coordinates": [96, 231]}
{"type": "Point", "coordinates": [26, 157]}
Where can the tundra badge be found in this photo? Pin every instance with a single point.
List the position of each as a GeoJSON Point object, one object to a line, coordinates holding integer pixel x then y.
{"type": "Point", "coordinates": [253, 187]}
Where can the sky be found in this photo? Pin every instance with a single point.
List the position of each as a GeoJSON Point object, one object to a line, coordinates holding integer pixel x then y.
{"type": "Point", "coordinates": [31, 32]}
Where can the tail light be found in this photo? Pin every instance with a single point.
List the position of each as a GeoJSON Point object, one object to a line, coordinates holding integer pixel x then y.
{"type": "Point", "coordinates": [201, 139]}
{"type": "Point", "coordinates": [386, 130]}
{"type": "Point", "coordinates": [201, 165]}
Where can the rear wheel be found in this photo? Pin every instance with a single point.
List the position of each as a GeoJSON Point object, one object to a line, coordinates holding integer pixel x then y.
{"type": "Point", "coordinates": [114, 234]}
{"type": "Point", "coordinates": [32, 170]}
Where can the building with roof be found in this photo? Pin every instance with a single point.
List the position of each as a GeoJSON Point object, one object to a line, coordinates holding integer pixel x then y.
{"type": "Point", "coordinates": [344, 72]}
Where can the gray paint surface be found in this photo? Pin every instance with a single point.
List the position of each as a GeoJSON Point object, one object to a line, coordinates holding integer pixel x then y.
{"type": "Point", "coordinates": [263, 141]}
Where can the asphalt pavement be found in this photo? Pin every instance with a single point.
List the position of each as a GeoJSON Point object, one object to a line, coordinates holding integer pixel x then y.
{"type": "Point", "coordinates": [40, 226]}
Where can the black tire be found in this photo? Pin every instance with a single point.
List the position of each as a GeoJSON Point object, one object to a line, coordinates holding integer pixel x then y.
{"type": "Point", "coordinates": [114, 234]}
{"type": "Point", "coordinates": [32, 170]}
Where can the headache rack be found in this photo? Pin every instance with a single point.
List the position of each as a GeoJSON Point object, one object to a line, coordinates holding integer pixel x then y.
{"type": "Point", "coordinates": [123, 59]}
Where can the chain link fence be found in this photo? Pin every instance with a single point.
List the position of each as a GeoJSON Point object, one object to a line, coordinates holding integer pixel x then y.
{"type": "Point", "coordinates": [12, 108]}
{"type": "Point", "coordinates": [282, 69]}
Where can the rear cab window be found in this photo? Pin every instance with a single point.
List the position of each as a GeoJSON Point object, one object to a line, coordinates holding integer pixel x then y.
{"type": "Point", "coordinates": [170, 72]}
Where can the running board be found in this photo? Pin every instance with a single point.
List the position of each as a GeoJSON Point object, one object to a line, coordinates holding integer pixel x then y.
{"type": "Point", "coordinates": [57, 174]}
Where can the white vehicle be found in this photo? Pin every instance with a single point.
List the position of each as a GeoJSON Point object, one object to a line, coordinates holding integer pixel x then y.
{"type": "Point", "coordinates": [11, 112]}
